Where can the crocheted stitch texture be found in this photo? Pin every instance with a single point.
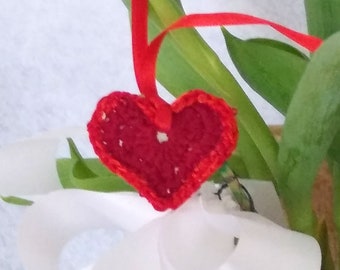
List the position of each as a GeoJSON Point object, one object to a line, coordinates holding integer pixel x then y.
{"type": "Point", "coordinates": [165, 167]}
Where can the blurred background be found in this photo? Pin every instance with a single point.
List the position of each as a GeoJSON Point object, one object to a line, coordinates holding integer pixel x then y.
{"type": "Point", "coordinates": [59, 57]}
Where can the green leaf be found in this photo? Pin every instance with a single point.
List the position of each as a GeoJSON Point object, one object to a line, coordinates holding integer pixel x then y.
{"type": "Point", "coordinates": [187, 62]}
{"type": "Point", "coordinates": [334, 151]}
{"type": "Point", "coordinates": [111, 183]}
{"type": "Point", "coordinates": [272, 68]}
{"type": "Point", "coordinates": [323, 17]}
{"type": "Point", "coordinates": [80, 169]}
{"type": "Point", "coordinates": [103, 181]}
{"type": "Point", "coordinates": [17, 200]}
{"type": "Point", "coordinates": [312, 122]}
{"type": "Point", "coordinates": [89, 174]}
{"type": "Point", "coordinates": [237, 164]}
{"type": "Point", "coordinates": [64, 169]}
{"type": "Point", "coordinates": [280, 46]}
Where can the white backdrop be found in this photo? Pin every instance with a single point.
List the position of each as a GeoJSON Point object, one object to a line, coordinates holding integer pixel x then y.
{"type": "Point", "coordinates": [58, 57]}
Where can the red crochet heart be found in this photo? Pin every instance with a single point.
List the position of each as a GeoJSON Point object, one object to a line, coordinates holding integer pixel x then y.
{"type": "Point", "coordinates": [165, 167]}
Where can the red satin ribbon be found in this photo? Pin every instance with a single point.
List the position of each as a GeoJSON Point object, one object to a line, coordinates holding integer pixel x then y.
{"type": "Point", "coordinates": [145, 54]}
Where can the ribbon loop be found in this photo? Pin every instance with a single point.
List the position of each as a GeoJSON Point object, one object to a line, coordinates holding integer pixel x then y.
{"type": "Point", "coordinates": [145, 54]}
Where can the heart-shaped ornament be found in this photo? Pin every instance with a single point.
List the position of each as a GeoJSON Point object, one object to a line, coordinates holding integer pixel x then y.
{"type": "Point", "coordinates": [165, 166]}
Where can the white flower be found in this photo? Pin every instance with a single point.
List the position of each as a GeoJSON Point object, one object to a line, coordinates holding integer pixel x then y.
{"type": "Point", "coordinates": [200, 235]}
{"type": "Point", "coordinates": [189, 238]}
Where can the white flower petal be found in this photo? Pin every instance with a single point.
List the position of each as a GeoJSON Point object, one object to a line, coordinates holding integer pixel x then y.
{"type": "Point", "coordinates": [172, 242]}
{"type": "Point", "coordinates": [189, 242]}
{"type": "Point", "coordinates": [138, 250]}
{"type": "Point", "coordinates": [266, 200]}
{"type": "Point", "coordinates": [263, 245]}
{"type": "Point", "coordinates": [192, 238]}
{"type": "Point", "coordinates": [57, 217]}
{"type": "Point", "coordinates": [28, 167]}
{"type": "Point", "coordinates": [188, 238]}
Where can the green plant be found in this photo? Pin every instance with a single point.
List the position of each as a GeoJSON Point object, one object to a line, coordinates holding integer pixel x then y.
{"type": "Point", "coordinates": [306, 89]}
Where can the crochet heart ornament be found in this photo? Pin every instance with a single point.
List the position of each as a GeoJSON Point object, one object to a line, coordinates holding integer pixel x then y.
{"type": "Point", "coordinates": [166, 167]}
